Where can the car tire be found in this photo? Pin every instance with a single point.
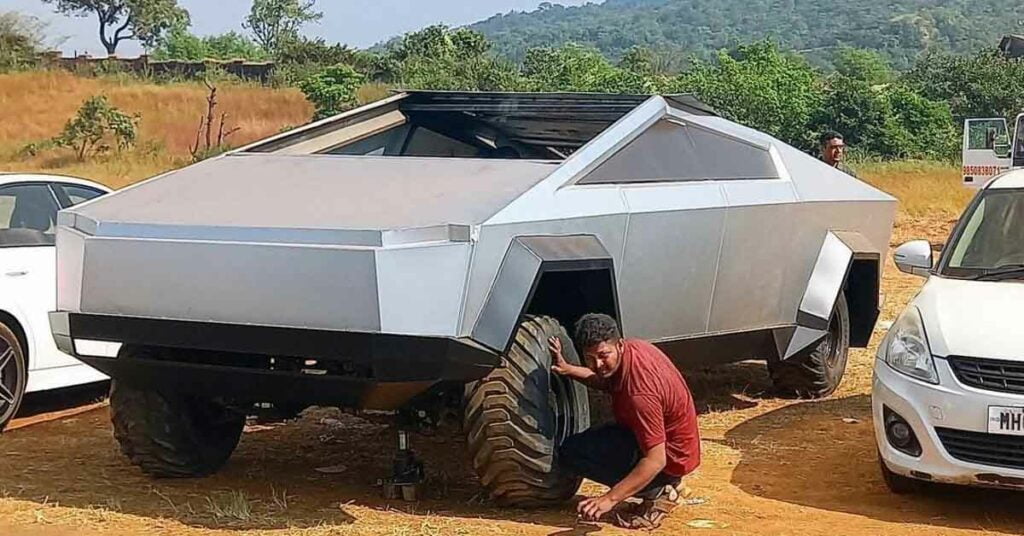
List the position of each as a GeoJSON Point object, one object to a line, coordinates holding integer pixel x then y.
{"type": "Point", "coordinates": [898, 484]}
{"type": "Point", "coordinates": [518, 415]}
{"type": "Point", "coordinates": [13, 375]}
{"type": "Point", "coordinates": [173, 435]}
{"type": "Point", "coordinates": [817, 371]}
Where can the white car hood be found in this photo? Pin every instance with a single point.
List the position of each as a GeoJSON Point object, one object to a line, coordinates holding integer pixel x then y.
{"type": "Point", "coordinates": [973, 318]}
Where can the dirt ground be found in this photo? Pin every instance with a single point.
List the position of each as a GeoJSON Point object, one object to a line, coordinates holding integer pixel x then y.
{"type": "Point", "coordinates": [770, 467]}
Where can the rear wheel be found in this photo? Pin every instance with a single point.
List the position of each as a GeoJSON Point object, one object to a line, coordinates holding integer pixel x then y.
{"type": "Point", "coordinates": [13, 375]}
{"type": "Point", "coordinates": [519, 414]}
{"type": "Point", "coordinates": [817, 371]}
{"type": "Point", "coordinates": [171, 434]}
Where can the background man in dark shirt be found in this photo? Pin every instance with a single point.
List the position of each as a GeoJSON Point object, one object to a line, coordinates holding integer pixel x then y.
{"type": "Point", "coordinates": [654, 441]}
{"type": "Point", "coordinates": [833, 152]}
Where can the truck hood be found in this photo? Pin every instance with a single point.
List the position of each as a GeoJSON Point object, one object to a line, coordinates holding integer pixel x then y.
{"type": "Point", "coordinates": [973, 318]}
{"type": "Point", "coordinates": [348, 200]}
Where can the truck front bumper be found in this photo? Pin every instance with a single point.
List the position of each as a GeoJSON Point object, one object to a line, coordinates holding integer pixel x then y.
{"type": "Point", "coordinates": [263, 363]}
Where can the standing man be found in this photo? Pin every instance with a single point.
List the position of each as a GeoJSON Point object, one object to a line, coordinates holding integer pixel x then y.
{"type": "Point", "coordinates": [833, 152]}
{"type": "Point", "coordinates": [654, 441]}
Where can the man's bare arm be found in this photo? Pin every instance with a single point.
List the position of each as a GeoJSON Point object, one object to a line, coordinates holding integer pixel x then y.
{"type": "Point", "coordinates": [645, 471]}
{"type": "Point", "coordinates": [564, 368]}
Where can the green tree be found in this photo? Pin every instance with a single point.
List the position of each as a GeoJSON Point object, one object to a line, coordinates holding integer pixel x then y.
{"type": "Point", "coordinates": [650, 62]}
{"type": "Point", "coordinates": [298, 59]}
{"type": "Point", "coordinates": [332, 90]}
{"type": "Point", "coordinates": [123, 20]}
{"type": "Point", "coordinates": [985, 84]}
{"type": "Point", "coordinates": [20, 41]}
{"type": "Point", "coordinates": [438, 57]}
{"type": "Point", "coordinates": [888, 120]}
{"type": "Point", "coordinates": [274, 22]}
{"type": "Point", "coordinates": [233, 45]}
{"type": "Point", "coordinates": [574, 67]}
{"type": "Point", "coordinates": [863, 64]}
{"type": "Point", "coordinates": [180, 44]}
{"type": "Point", "coordinates": [96, 126]}
{"type": "Point", "coordinates": [761, 87]}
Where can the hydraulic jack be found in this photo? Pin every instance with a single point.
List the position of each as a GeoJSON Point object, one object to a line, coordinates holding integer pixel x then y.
{"type": "Point", "coordinates": [407, 473]}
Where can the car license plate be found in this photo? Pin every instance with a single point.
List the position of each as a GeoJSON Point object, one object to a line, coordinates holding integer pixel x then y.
{"type": "Point", "coordinates": [1005, 420]}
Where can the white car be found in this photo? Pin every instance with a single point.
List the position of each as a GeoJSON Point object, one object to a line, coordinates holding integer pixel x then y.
{"type": "Point", "coordinates": [29, 358]}
{"type": "Point", "coordinates": [948, 393]}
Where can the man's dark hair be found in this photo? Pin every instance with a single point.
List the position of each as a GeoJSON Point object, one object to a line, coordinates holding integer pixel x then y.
{"type": "Point", "coordinates": [829, 136]}
{"type": "Point", "coordinates": [594, 329]}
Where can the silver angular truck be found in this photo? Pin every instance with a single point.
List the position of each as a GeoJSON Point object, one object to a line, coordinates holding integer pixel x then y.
{"type": "Point", "coordinates": [416, 254]}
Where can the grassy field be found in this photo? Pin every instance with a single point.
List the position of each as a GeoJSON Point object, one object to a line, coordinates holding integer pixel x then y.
{"type": "Point", "coordinates": [35, 105]}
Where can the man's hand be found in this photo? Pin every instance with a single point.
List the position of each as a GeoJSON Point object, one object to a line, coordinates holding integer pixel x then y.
{"type": "Point", "coordinates": [558, 363]}
{"type": "Point", "coordinates": [592, 509]}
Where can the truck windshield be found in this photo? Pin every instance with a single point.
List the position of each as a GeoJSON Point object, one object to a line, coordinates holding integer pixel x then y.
{"type": "Point", "coordinates": [989, 241]}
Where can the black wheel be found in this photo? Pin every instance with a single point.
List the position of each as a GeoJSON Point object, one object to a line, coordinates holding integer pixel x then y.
{"type": "Point", "coordinates": [898, 484]}
{"type": "Point", "coordinates": [13, 375]}
{"type": "Point", "coordinates": [173, 435]}
{"type": "Point", "coordinates": [519, 414]}
{"type": "Point", "coordinates": [817, 371]}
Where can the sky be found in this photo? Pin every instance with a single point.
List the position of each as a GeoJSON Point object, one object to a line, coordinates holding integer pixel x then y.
{"type": "Point", "coordinates": [358, 23]}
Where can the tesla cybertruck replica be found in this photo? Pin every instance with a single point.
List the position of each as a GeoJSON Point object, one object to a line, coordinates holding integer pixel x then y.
{"type": "Point", "coordinates": [417, 253]}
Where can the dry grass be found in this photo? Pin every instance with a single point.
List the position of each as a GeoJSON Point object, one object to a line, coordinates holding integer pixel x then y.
{"type": "Point", "coordinates": [931, 197]}
{"type": "Point", "coordinates": [35, 105]}
{"type": "Point", "coordinates": [923, 188]}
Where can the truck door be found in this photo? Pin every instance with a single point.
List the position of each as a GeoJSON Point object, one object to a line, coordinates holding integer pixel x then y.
{"type": "Point", "coordinates": [986, 151]}
{"type": "Point", "coordinates": [1018, 143]}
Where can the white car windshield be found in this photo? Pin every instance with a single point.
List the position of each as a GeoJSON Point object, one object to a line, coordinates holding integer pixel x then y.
{"type": "Point", "coordinates": [989, 242]}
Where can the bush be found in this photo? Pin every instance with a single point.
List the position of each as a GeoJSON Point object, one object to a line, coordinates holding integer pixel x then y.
{"type": "Point", "coordinates": [20, 41]}
{"type": "Point", "coordinates": [182, 45]}
{"type": "Point", "coordinates": [298, 59]}
{"type": "Point", "coordinates": [96, 127]}
{"type": "Point", "coordinates": [332, 90]}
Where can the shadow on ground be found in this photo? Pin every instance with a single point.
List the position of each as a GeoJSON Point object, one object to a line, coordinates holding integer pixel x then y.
{"type": "Point", "coordinates": [271, 482]}
{"type": "Point", "coordinates": [806, 454]}
{"type": "Point", "coordinates": [36, 404]}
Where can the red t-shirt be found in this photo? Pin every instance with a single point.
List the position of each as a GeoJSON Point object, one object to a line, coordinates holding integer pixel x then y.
{"type": "Point", "coordinates": [650, 397]}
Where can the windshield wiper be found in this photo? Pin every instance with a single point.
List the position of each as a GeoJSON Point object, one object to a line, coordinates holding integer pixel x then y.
{"type": "Point", "coordinates": [1007, 271]}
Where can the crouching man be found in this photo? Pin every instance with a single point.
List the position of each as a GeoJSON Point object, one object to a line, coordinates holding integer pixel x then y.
{"type": "Point", "coordinates": [654, 441]}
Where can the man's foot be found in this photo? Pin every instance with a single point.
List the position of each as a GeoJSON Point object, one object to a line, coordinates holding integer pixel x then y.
{"type": "Point", "coordinates": [650, 513]}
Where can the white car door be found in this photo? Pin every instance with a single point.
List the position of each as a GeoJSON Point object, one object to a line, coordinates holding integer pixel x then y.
{"type": "Point", "coordinates": [28, 214]}
{"type": "Point", "coordinates": [983, 157]}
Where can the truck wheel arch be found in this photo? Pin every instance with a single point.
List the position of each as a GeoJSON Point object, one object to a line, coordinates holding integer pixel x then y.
{"type": "Point", "coordinates": [847, 263]}
{"type": "Point", "coordinates": [562, 276]}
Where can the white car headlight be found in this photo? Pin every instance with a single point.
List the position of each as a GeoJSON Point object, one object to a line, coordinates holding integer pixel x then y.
{"type": "Point", "coordinates": [906, 348]}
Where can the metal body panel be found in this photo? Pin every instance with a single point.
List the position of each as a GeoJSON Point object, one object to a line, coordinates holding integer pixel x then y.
{"type": "Point", "coordinates": [271, 193]}
{"type": "Point", "coordinates": [826, 282]}
{"type": "Point", "coordinates": [525, 262]}
{"type": "Point", "coordinates": [756, 264]}
{"type": "Point", "coordinates": [495, 240]}
{"type": "Point", "coordinates": [245, 283]}
{"type": "Point", "coordinates": [671, 258]}
{"type": "Point", "coordinates": [421, 288]}
{"type": "Point", "coordinates": [71, 261]}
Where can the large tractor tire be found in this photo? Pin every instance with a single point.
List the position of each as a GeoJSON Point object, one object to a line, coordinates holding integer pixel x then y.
{"type": "Point", "coordinates": [817, 371]}
{"type": "Point", "coordinates": [13, 375]}
{"type": "Point", "coordinates": [518, 416]}
{"type": "Point", "coordinates": [173, 435]}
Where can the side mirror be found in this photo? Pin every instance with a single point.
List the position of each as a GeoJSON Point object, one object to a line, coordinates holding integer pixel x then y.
{"type": "Point", "coordinates": [914, 258]}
